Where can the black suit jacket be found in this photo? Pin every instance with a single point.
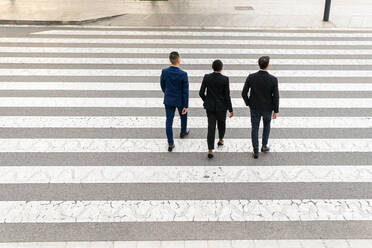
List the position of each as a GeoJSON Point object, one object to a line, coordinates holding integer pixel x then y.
{"type": "Point", "coordinates": [217, 98]}
{"type": "Point", "coordinates": [264, 92]}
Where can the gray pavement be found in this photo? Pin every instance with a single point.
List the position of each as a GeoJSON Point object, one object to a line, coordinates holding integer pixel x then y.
{"type": "Point", "coordinates": [196, 13]}
{"type": "Point", "coordinates": [41, 224]}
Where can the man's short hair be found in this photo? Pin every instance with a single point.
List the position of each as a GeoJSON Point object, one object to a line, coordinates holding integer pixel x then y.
{"type": "Point", "coordinates": [217, 65]}
{"type": "Point", "coordinates": [173, 57]}
{"type": "Point", "coordinates": [263, 62]}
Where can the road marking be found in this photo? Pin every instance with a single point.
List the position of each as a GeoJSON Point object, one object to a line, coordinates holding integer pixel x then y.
{"type": "Point", "coordinates": [188, 41]}
{"type": "Point", "coordinates": [159, 122]}
{"type": "Point", "coordinates": [204, 33]}
{"type": "Point", "coordinates": [192, 73]}
{"type": "Point", "coordinates": [158, 102]}
{"type": "Point", "coordinates": [183, 174]}
{"type": "Point", "coordinates": [185, 61]}
{"type": "Point", "coordinates": [213, 51]}
{"type": "Point", "coordinates": [102, 86]}
{"type": "Point", "coordinates": [184, 210]}
{"type": "Point", "coordinates": [189, 145]}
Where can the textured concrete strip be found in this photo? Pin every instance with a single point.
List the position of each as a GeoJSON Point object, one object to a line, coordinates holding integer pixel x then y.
{"type": "Point", "coordinates": [205, 33]}
{"type": "Point", "coordinates": [182, 191]}
{"type": "Point", "coordinates": [188, 145]}
{"type": "Point", "coordinates": [158, 102]}
{"type": "Point", "coordinates": [187, 231]}
{"type": "Point", "coordinates": [114, 50]}
{"type": "Point", "coordinates": [183, 174]}
{"type": "Point", "coordinates": [107, 86]}
{"type": "Point", "coordinates": [185, 210]}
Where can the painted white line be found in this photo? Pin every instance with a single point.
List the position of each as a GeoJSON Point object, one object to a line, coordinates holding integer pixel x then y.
{"type": "Point", "coordinates": [158, 102]}
{"type": "Point", "coordinates": [192, 73]}
{"type": "Point", "coordinates": [190, 145]}
{"type": "Point", "coordinates": [159, 122]}
{"type": "Point", "coordinates": [183, 174]}
{"type": "Point", "coordinates": [185, 61]}
{"type": "Point", "coordinates": [188, 41]}
{"type": "Point", "coordinates": [184, 210]}
{"type": "Point", "coordinates": [289, 243]}
{"type": "Point", "coordinates": [213, 51]}
{"type": "Point", "coordinates": [203, 33]}
{"type": "Point", "coordinates": [101, 86]}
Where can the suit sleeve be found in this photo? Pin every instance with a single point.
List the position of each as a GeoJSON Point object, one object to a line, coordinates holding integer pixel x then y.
{"type": "Point", "coordinates": [245, 91]}
{"type": "Point", "coordinates": [202, 89]}
{"type": "Point", "coordinates": [185, 92]}
{"type": "Point", "coordinates": [162, 81]}
{"type": "Point", "coordinates": [276, 96]}
{"type": "Point", "coordinates": [227, 95]}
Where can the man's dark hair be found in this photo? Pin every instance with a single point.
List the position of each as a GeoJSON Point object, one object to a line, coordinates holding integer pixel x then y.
{"type": "Point", "coordinates": [173, 57]}
{"type": "Point", "coordinates": [263, 62]}
{"type": "Point", "coordinates": [217, 65]}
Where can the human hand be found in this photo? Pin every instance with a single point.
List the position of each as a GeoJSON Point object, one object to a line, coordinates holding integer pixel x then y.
{"type": "Point", "coordinates": [275, 115]}
{"type": "Point", "coordinates": [184, 111]}
{"type": "Point", "coordinates": [231, 114]}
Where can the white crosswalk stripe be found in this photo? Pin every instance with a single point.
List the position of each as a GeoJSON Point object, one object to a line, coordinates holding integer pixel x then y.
{"type": "Point", "coordinates": [183, 174]}
{"type": "Point", "coordinates": [77, 177]}
{"type": "Point", "coordinates": [191, 145]}
{"type": "Point", "coordinates": [188, 41]}
{"type": "Point", "coordinates": [158, 102]}
{"type": "Point", "coordinates": [165, 51]}
{"type": "Point", "coordinates": [209, 33]}
{"type": "Point", "coordinates": [185, 61]}
{"type": "Point", "coordinates": [185, 210]}
{"type": "Point", "coordinates": [158, 122]}
{"type": "Point", "coordinates": [156, 73]}
{"type": "Point", "coordinates": [102, 86]}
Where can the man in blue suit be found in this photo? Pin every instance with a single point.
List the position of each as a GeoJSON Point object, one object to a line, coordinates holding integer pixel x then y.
{"type": "Point", "coordinates": [175, 86]}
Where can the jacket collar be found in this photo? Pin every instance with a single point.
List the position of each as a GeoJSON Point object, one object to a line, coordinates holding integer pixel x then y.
{"type": "Point", "coordinates": [174, 67]}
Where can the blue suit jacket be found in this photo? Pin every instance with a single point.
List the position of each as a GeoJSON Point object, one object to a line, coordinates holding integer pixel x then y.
{"type": "Point", "coordinates": [175, 85]}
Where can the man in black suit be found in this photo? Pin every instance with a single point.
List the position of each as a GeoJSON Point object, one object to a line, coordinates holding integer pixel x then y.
{"type": "Point", "coordinates": [215, 92]}
{"type": "Point", "coordinates": [263, 100]}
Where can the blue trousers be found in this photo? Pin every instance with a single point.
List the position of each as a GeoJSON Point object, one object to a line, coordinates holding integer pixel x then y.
{"type": "Point", "coordinates": [169, 111]}
{"type": "Point", "coordinates": [255, 120]}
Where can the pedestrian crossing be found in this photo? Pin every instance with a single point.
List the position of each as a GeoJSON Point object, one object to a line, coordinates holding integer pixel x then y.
{"type": "Point", "coordinates": [83, 152]}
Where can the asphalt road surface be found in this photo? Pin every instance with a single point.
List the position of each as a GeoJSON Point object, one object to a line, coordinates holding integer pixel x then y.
{"type": "Point", "coordinates": [83, 152]}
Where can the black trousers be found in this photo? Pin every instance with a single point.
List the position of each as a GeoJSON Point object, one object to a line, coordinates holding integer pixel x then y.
{"type": "Point", "coordinates": [213, 118]}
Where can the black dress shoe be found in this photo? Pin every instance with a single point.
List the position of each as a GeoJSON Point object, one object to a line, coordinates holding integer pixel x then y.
{"type": "Point", "coordinates": [210, 155]}
{"type": "Point", "coordinates": [170, 148]}
{"type": "Point", "coordinates": [255, 155]}
{"type": "Point", "coordinates": [219, 143]}
{"type": "Point", "coordinates": [265, 148]}
{"type": "Point", "coordinates": [183, 135]}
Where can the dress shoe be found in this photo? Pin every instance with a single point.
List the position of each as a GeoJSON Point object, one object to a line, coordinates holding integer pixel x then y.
{"type": "Point", "coordinates": [170, 148]}
{"type": "Point", "coordinates": [220, 143]}
{"type": "Point", "coordinates": [255, 155]}
{"type": "Point", "coordinates": [265, 148]}
{"type": "Point", "coordinates": [183, 135]}
{"type": "Point", "coordinates": [210, 155]}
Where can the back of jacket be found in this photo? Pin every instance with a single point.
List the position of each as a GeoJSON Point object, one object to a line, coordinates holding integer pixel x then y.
{"type": "Point", "coordinates": [263, 91]}
{"type": "Point", "coordinates": [175, 85]}
{"type": "Point", "coordinates": [215, 92]}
